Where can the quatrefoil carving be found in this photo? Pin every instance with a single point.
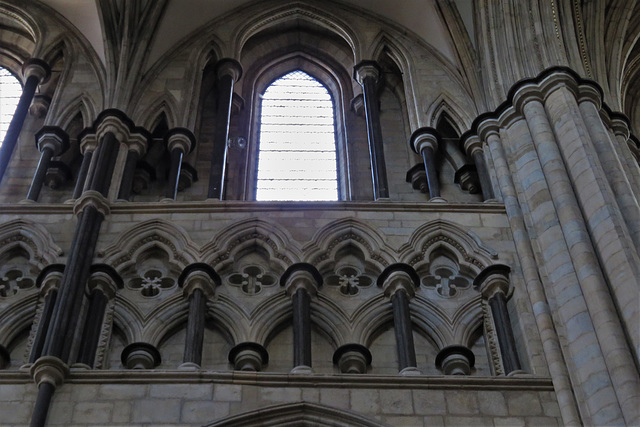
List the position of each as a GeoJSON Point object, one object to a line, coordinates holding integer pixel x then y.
{"type": "Point", "coordinates": [349, 280]}
{"type": "Point", "coordinates": [446, 278]}
{"type": "Point", "coordinates": [13, 281]}
{"type": "Point", "coordinates": [151, 283]}
{"type": "Point", "coordinates": [252, 279]}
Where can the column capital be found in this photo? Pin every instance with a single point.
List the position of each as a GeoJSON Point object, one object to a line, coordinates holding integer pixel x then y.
{"type": "Point", "coordinates": [50, 278]}
{"type": "Point", "coordinates": [423, 138]}
{"type": "Point", "coordinates": [472, 144]}
{"type": "Point", "coordinates": [181, 139]}
{"type": "Point", "coordinates": [199, 276]}
{"type": "Point", "coordinates": [52, 137]}
{"type": "Point", "coordinates": [488, 127]}
{"type": "Point", "coordinates": [248, 356]}
{"type": "Point", "coordinates": [49, 369]}
{"type": "Point", "coordinates": [301, 276]}
{"type": "Point", "coordinates": [229, 67]}
{"type": "Point", "coordinates": [105, 279]}
{"type": "Point", "coordinates": [492, 280]}
{"type": "Point", "coordinates": [398, 277]}
{"type": "Point", "coordinates": [92, 198]}
{"type": "Point", "coordinates": [367, 68]}
{"type": "Point", "coordinates": [620, 125]}
{"type": "Point", "coordinates": [34, 67]}
{"type": "Point", "coordinates": [527, 93]}
{"type": "Point", "coordinates": [140, 355]}
{"type": "Point", "coordinates": [589, 93]}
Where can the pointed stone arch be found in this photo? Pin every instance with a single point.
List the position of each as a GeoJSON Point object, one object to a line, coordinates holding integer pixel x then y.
{"type": "Point", "coordinates": [147, 116]}
{"type": "Point", "coordinates": [32, 238]}
{"type": "Point", "coordinates": [457, 113]}
{"type": "Point", "coordinates": [297, 413]}
{"type": "Point", "coordinates": [17, 318]}
{"type": "Point", "coordinates": [168, 237]}
{"type": "Point", "coordinates": [322, 250]}
{"type": "Point", "coordinates": [82, 105]}
{"type": "Point", "coordinates": [469, 250]}
{"type": "Point", "coordinates": [296, 10]}
{"type": "Point", "coordinates": [243, 236]}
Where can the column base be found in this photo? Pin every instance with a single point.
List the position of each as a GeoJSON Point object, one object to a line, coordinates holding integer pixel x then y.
{"type": "Point", "coordinates": [410, 371]}
{"type": "Point", "coordinates": [167, 200]}
{"type": "Point", "coordinates": [189, 366]}
{"type": "Point", "coordinates": [437, 200]}
{"type": "Point", "coordinates": [301, 370]}
{"type": "Point", "coordinates": [519, 373]}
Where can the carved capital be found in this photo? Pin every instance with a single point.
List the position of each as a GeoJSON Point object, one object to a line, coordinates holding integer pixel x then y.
{"type": "Point", "coordinates": [88, 143]}
{"type": "Point", "coordinates": [492, 280]}
{"type": "Point", "coordinates": [398, 277]}
{"type": "Point", "coordinates": [138, 143]}
{"type": "Point", "coordinates": [248, 356]}
{"type": "Point", "coordinates": [50, 278]}
{"type": "Point", "coordinates": [181, 139]}
{"type": "Point", "coordinates": [424, 138]}
{"type": "Point", "coordinates": [488, 127]}
{"type": "Point", "coordinates": [472, 145]}
{"type": "Point", "coordinates": [229, 67]}
{"type": "Point", "coordinates": [38, 68]}
{"type": "Point", "coordinates": [589, 93]}
{"type": "Point", "coordinates": [199, 276]}
{"type": "Point", "coordinates": [301, 276]}
{"type": "Point", "coordinates": [620, 126]}
{"type": "Point", "coordinates": [525, 94]}
{"type": "Point", "coordinates": [49, 369]}
{"type": "Point", "coordinates": [140, 355]}
{"type": "Point", "coordinates": [92, 198]}
{"type": "Point", "coordinates": [54, 138]}
{"type": "Point", "coordinates": [364, 69]}
{"type": "Point", "coordinates": [104, 279]}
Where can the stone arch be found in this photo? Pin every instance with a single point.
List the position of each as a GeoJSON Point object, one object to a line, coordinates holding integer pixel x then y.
{"type": "Point", "coordinates": [82, 105]}
{"type": "Point", "coordinates": [370, 318]}
{"type": "Point", "coordinates": [297, 10]}
{"type": "Point", "coordinates": [324, 246]}
{"type": "Point", "coordinates": [297, 413]}
{"type": "Point", "coordinates": [17, 318]}
{"type": "Point", "coordinates": [147, 116]}
{"type": "Point", "coordinates": [470, 251]}
{"type": "Point", "coordinates": [25, 34]}
{"type": "Point", "coordinates": [444, 104]}
{"type": "Point", "coordinates": [128, 318]}
{"type": "Point", "coordinates": [32, 238]}
{"type": "Point", "coordinates": [250, 234]}
{"type": "Point", "coordinates": [168, 237]}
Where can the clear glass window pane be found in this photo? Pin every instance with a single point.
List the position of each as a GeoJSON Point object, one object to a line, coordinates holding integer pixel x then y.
{"type": "Point", "coordinates": [297, 154]}
{"type": "Point", "coordinates": [10, 91]}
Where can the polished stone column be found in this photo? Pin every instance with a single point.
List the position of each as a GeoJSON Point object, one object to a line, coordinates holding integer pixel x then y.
{"type": "Point", "coordinates": [493, 283]}
{"type": "Point", "coordinates": [102, 287]}
{"type": "Point", "coordinates": [35, 72]}
{"type": "Point", "coordinates": [473, 148]}
{"type": "Point", "coordinates": [180, 141]}
{"type": "Point", "coordinates": [136, 151]}
{"type": "Point", "coordinates": [87, 148]}
{"type": "Point", "coordinates": [199, 282]}
{"type": "Point", "coordinates": [228, 72]}
{"type": "Point", "coordinates": [301, 282]}
{"type": "Point", "coordinates": [51, 141]}
{"type": "Point", "coordinates": [368, 74]}
{"type": "Point", "coordinates": [399, 282]}
{"type": "Point", "coordinates": [49, 282]}
{"type": "Point", "coordinates": [424, 142]}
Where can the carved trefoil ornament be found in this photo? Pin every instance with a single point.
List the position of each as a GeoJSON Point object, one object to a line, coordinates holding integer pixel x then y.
{"type": "Point", "coordinates": [251, 279]}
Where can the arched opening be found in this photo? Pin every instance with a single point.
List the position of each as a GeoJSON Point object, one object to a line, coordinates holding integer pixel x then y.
{"type": "Point", "coordinates": [297, 152]}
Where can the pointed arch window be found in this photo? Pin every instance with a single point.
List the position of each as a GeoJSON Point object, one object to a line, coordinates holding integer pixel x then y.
{"type": "Point", "coordinates": [297, 150]}
{"type": "Point", "coordinates": [10, 91]}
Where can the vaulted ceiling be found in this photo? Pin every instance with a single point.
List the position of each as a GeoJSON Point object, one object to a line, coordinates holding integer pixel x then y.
{"type": "Point", "coordinates": [182, 17]}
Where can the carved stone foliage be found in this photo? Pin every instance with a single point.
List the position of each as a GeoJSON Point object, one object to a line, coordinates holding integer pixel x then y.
{"type": "Point", "coordinates": [251, 279]}
{"type": "Point", "coordinates": [446, 278]}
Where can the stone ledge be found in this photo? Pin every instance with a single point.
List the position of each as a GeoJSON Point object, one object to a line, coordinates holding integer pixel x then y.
{"type": "Point", "coordinates": [239, 206]}
{"type": "Point", "coordinates": [266, 379]}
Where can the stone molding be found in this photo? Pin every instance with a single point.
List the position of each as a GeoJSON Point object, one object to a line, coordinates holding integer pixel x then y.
{"type": "Point", "coordinates": [199, 276]}
{"type": "Point", "coordinates": [49, 369]}
{"type": "Point", "coordinates": [34, 67]}
{"type": "Point", "coordinates": [398, 277]}
{"type": "Point", "coordinates": [301, 276]}
{"type": "Point", "coordinates": [493, 279]}
{"type": "Point", "coordinates": [229, 67]}
{"type": "Point", "coordinates": [94, 199]}
{"type": "Point", "coordinates": [118, 123]}
{"type": "Point", "coordinates": [49, 278]}
{"type": "Point", "coordinates": [180, 138]}
{"type": "Point", "coordinates": [423, 138]}
{"type": "Point", "coordinates": [367, 68]}
{"type": "Point", "coordinates": [105, 279]}
{"type": "Point", "coordinates": [54, 138]}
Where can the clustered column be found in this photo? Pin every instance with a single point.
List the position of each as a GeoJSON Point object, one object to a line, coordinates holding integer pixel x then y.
{"type": "Point", "coordinates": [137, 149]}
{"type": "Point", "coordinates": [199, 282]}
{"type": "Point", "coordinates": [424, 142]}
{"type": "Point", "coordinates": [493, 283]}
{"type": "Point", "coordinates": [90, 208]}
{"type": "Point", "coordinates": [36, 72]}
{"type": "Point", "coordinates": [301, 282]}
{"type": "Point", "coordinates": [51, 141]}
{"type": "Point", "coordinates": [102, 287]}
{"type": "Point", "coordinates": [399, 282]}
{"type": "Point", "coordinates": [228, 72]}
{"type": "Point", "coordinates": [368, 74]}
